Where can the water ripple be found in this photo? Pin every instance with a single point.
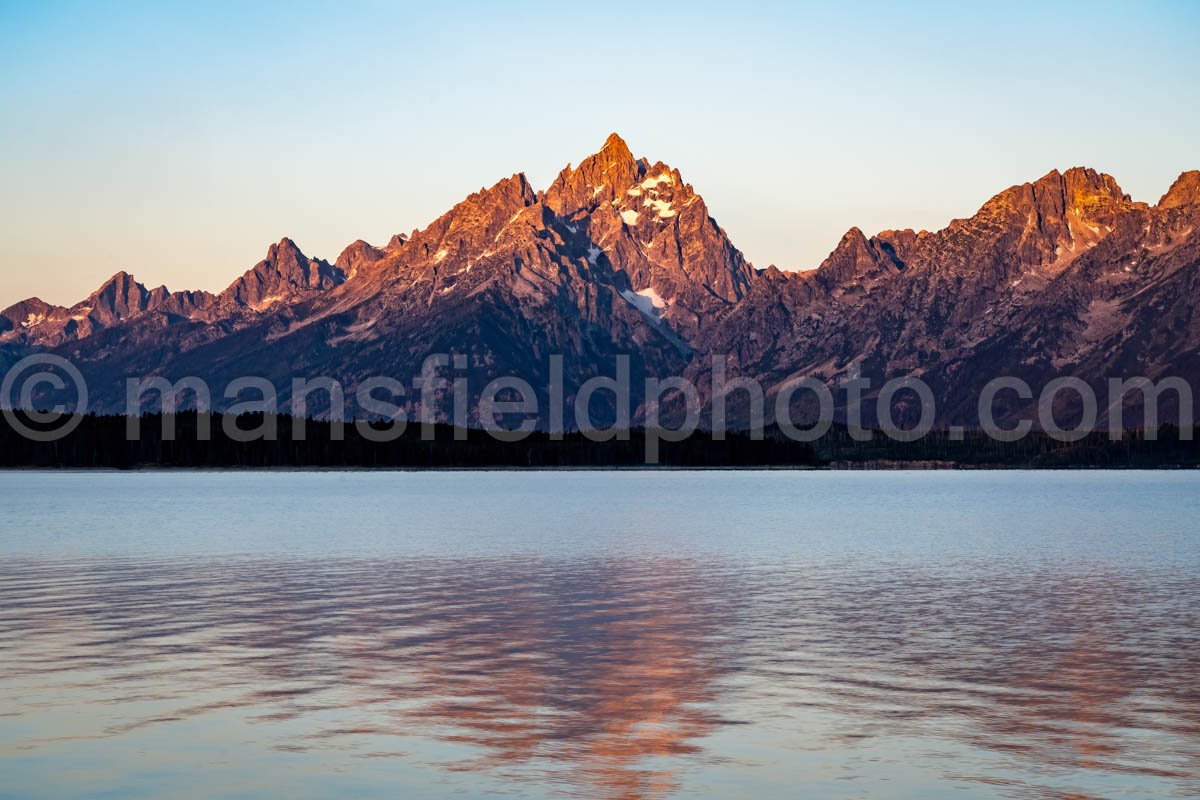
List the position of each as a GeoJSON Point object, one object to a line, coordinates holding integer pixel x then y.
{"type": "Point", "coordinates": [622, 677]}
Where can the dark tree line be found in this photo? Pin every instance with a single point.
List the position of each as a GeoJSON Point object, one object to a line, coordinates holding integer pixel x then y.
{"type": "Point", "coordinates": [1036, 450]}
{"type": "Point", "coordinates": [104, 442]}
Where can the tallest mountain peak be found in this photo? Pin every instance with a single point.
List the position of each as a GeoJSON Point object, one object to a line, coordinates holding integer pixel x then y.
{"type": "Point", "coordinates": [600, 178]}
{"type": "Point", "coordinates": [615, 142]}
{"type": "Point", "coordinates": [614, 152]}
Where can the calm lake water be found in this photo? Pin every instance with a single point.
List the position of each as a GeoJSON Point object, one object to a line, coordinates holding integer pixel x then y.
{"type": "Point", "coordinates": [600, 635]}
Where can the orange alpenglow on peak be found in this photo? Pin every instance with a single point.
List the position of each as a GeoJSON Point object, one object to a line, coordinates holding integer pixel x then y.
{"type": "Point", "coordinates": [1185, 191]}
{"type": "Point", "coordinates": [614, 140]}
{"type": "Point", "coordinates": [620, 255]}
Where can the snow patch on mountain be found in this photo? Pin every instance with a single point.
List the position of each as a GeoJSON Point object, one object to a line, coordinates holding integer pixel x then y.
{"type": "Point", "coordinates": [664, 209]}
{"type": "Point", "coordinates": [267, 302]}
{"type": "Point", "coordinates": [646, 301]}
{"type": "Point", "coordinates": [654, 180]}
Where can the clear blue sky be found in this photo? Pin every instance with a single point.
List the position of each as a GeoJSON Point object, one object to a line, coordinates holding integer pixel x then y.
{"type": "Point", "coordinates": [178, 140]}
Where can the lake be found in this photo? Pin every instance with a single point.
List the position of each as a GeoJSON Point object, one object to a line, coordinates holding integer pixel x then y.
{"type": "Point", "coordinates": [600, 634]}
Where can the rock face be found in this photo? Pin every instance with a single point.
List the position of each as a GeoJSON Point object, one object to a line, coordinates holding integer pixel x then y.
{"type": "Point", "coordinates": [284, 277]}
{"type": "Point", "coordinates": [120, 298]}
{"type": "Point", "coordinates": [646, 221]}
{"type": "Point", "coordinates": [1049, 278]}
{"type": "Point", "coordinates": [1062, 276]}
{"type": "Point", "coordinates": [1184, 192]}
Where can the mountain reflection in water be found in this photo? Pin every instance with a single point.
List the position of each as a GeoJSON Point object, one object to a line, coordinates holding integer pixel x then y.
{"type": "Point", "coordinates": [621, 678]}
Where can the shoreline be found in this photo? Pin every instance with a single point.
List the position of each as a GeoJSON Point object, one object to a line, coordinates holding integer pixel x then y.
{"type": "Point", "coordinates": [844, 466]}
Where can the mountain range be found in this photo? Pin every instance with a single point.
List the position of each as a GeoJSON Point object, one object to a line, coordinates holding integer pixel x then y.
{"type": "Point", "coordinates": [1062, 276]}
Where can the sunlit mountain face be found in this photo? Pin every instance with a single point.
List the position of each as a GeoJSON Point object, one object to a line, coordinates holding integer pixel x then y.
{"type": "Point", "coordinates": [1063, 275]}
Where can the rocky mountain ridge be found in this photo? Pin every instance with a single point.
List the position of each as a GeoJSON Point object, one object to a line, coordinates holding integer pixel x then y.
{"type": "Point", "coordinates": [619, 256]}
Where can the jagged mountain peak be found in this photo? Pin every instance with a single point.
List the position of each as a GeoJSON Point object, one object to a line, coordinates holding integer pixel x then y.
{"type": "Point", "coordinates": [509, 194]}
{"type": "Point", "coordinates": [25, 312]}
{"type": "Point", "coordinates": [615, 153]}
{"type": "Point", "coordinates": [853, 238]}
{"type": "Point", "coordinates": [474, 222]}
{"type": "Point", "coordinates": [615, 142]}
{"type": "Point", "coordinates": [514, 190]}
{"type": "Point", "coordinates": [122, 281]}
{"type": "Point", "coordinates": [1076, 189]}
{"type": "Point", "coordinates": [1040, 226]}
{"type": "Point", "coordinates": [655, 228]}
{"type": "Point", "coordinates": [1185, 191]}
{"type": "Point", "coordinates": [600, 178]}
{"type": "Point", "coordinates": [1080, 175]}
{"type": "Point", "coordinates": [285, 251]}
{"type": "Point", "coordinates": [284, 276]}
{"type": "Point", "coordinates": [1084, 187]}
{"type": "Point", "coordinates": [356, 255]}
{"type": "Point", "coordinates": [32, 303]}
{"type": "Point", "coordinates": [855, 261]}
{"type": "Point", "coordinates": [120, 276]}
{"type": "Point", "coordinates": [117, 298]}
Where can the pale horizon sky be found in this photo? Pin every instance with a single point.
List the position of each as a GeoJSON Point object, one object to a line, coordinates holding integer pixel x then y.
{"type": "Point", "coordinates": [178, 142]}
